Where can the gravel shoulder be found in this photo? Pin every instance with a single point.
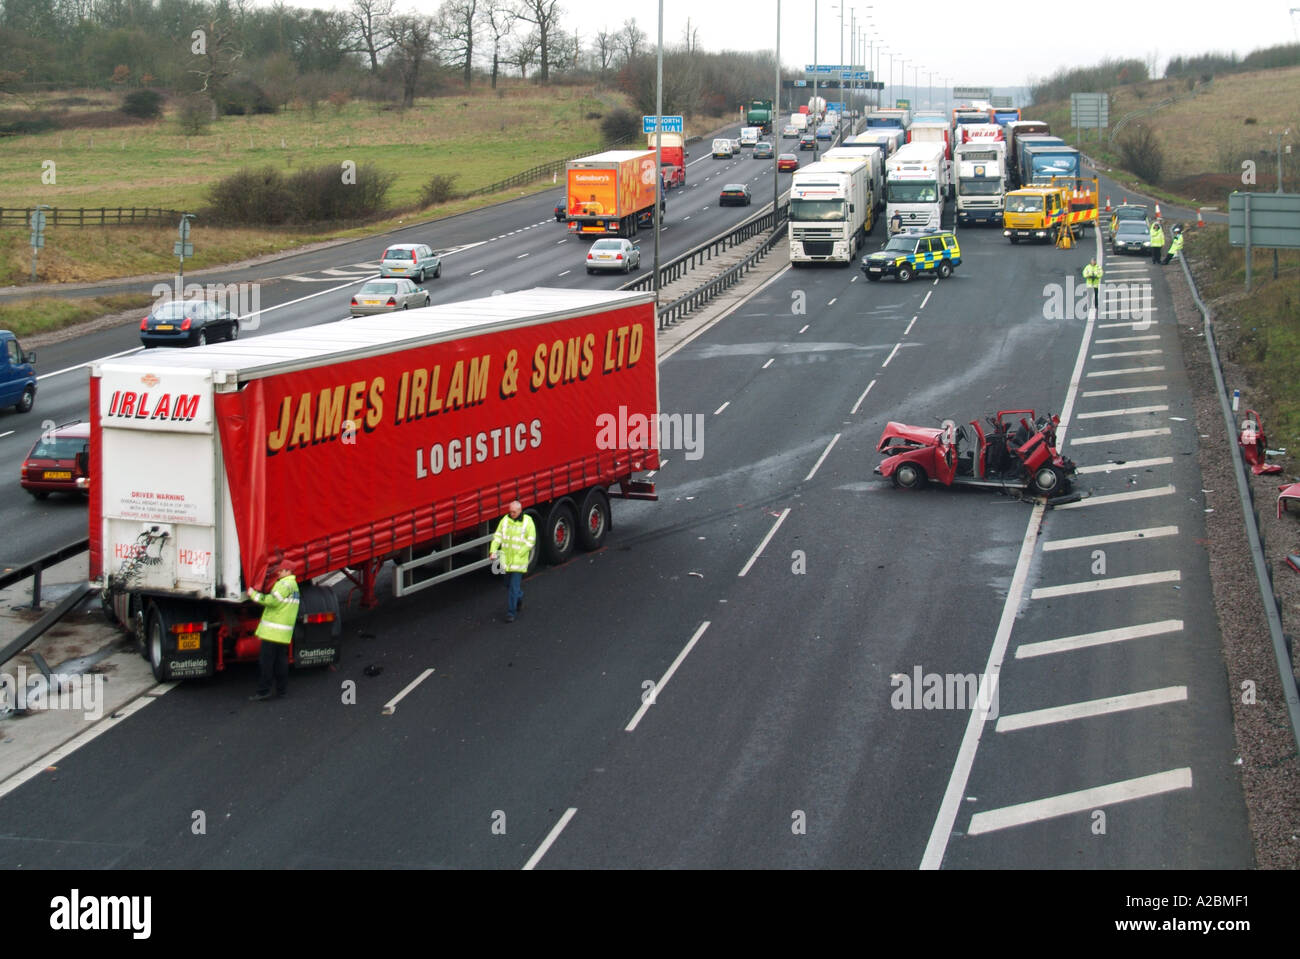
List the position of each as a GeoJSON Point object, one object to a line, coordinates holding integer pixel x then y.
{"type": "Point", "coordinates": [1266, 750]}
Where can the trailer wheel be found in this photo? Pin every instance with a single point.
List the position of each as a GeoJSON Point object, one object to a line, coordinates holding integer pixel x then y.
{"type": "Point", "coordinates": [157, 632]}
{"type": "Point", "coordinates": [909, 476]}
{"type": "Point", "coordinates": [561, 533]}
{"type": "Point", "coordinates": [135, 612]}
{"type": "Point", "coordinates": [593, 519]}
{"type": "Point", "coordinates": [1049, 480]}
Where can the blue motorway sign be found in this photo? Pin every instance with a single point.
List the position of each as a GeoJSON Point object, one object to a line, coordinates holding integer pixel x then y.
{"type": "Point", "coordinates": [670, 125]}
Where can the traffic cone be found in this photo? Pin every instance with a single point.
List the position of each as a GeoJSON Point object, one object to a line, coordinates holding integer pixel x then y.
{"type": "Point", "coordinates": [1157, 211]}
{"type": "Point", "coordinates": [1200, 217]}
{"type": "Point", "coordinates": [1107, 202]}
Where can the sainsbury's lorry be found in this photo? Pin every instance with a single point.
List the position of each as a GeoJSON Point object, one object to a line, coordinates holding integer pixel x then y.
{"type": "Point", "coordinates": [611, 193]}
{"type": "Point", "coordinates": [341, 447]}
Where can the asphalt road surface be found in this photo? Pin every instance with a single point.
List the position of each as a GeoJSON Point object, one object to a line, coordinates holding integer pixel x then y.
{"type": "Point", "coordinates": [730, 682]}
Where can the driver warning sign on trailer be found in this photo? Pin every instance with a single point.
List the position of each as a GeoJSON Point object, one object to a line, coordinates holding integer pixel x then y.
{"type": "Point", "coordinates": [157, 507]}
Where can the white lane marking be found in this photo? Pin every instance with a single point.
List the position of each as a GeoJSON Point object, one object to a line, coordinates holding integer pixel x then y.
{"type": "Point", "coordinates": [565, 240]}
{"type": "Point", "coordinates": [826, 452]}
{"type": "Point", "coordinates": [1126, 536]}
{"type": "Point", "coordinates": [1114, 356]}
{"type": "Point", "coordinates": [565, 273]}
{"type": "Point", "coordinates": [477, 272]}
{"type": "Point", "coordinates": [891, 355]}
{"type": "Point", "coordinates": [1131, 369]}
{"type": "Point", "coordinates": [955, 791]}
{"type": "Point", "coordinates": [56, 756]}
{"type": "Point", "coordinates": [553, 835]}
{"type": "Point", "coordinates": [391, 705]}
{"type": "Point", "coordinates": [649, 700]}
{"type": "Point", "coordinates": [1065, 644]}
{"type": "Point", "coordinates": [1111, 582]}
{"type": "Point", "coordinates": [769, 363]}
{"type": "Point", "coordinates": [1126, 465]}
{"type": "Point", "coordinates": [722, 407]}
{"type": "Point", "coordinates": [909, 326]}
{"type": "Point", "coordinates": [6, 433]}
{"type": "Point", "coordinates": [1123, 391]}
{"type": "Point", "coordinates": [687, 217]}
{"type": "Point", "coordinates": [854, 411]}
{"type": "Point", "coordinates": [1091, 708]}
{"type": "Point", "coordinates": [805, 328]}
{"type": "Point", "coordinates": [82, 366]}
{"type": "Point", "coordinates": [1119, 497]}
{"type": "Point", "coordinates": [1130, 435]}
{"type": "Point", "coordinates": [926, 300]}
{"type": "Point", "coordinates": [521, 256]}
{"type": "Point", "coordinates": [1130, 411]}
{"type": "Point", "coordinates": [1081, 801]}
{"type": "Point", "coordinates": [832, 302]}
{"type": "Point", "coordinates": [766, 539]}
{"type": "Point", "coordinates": [1129, 339]}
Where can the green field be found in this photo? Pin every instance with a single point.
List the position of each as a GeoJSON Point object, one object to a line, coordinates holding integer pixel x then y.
{"type": "Point", "coordinates": [480, 138]}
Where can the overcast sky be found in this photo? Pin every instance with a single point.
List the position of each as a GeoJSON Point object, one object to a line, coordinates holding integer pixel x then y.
{"type": "Point", "coordinates": [973, 44]}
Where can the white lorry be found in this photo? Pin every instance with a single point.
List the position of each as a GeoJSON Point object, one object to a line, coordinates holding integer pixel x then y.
{"type": "Point", "coordinates": [916, 183]}
{"type": "Point", "coordinates": [873, 154]}
{"type": "Point", "coordinates": [830, 211]}
{"type": "Point", "coordinates": [980, 170]}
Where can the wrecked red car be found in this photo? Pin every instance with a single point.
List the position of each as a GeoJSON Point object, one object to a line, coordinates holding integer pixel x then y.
{"type": "Point", "coordinates": [1018, 451]}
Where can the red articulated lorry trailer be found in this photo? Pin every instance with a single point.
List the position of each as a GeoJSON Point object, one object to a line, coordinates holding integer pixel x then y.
{"type": "Point", "coordinates": [343, 446]}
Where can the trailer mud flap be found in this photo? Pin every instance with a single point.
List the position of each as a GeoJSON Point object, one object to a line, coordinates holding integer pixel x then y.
{"type": "Point", "coordinates": [319, 629]}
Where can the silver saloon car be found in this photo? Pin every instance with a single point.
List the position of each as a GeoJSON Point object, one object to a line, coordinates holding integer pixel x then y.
{"type": "Point", "coordinates": [611, 254]}
{"type": "Point", "coordinates": [387, 296]}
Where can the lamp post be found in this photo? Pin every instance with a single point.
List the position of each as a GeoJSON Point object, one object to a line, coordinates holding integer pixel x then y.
{"type": "Point", "coordinates": [776, 115]}
{"type": "Point", "coordinates": [816, 63]}
{"type": "Point", "coordinates": [902, 76]}
{"type": "Point", "coordinates": [929, 98]}
{"type": "Point", "coordinates": [659, 155]}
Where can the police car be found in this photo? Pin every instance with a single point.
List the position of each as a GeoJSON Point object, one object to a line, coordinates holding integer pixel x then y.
{"type": "Point", "coordinates": [912, 252]}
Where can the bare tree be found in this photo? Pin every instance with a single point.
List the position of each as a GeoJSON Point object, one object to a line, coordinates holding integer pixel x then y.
{"type": "Point", "coordinates": [217, 57]}
{"type": "Point", "coordinates": [544, 15]}
{"type": "Point", "coordinates": [563, 50]}
{"type": "Point", "coordinates": [629, 40]}
{"type": "Point", "coordinates": [604, 51]}
{"type": "Point", "coordinates": [690, 37]}
{"type": "Point", "coordinates": [500, 16]}
{"type": "Point", "coordinates": [412, 42]}
{"type": "Point", "coordinates": [368, 18]}
{"type": "Point", "coordinates": [455, 27]}
{"type": "Point", "coordinates": [524, 52]}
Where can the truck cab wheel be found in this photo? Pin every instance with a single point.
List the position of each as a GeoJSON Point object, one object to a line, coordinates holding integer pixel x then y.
{"type": "Point", "coordinates": [560, 534]}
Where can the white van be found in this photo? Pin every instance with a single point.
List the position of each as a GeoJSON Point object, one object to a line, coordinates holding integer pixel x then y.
{"type": "Point", "coordinates": [722, 150]}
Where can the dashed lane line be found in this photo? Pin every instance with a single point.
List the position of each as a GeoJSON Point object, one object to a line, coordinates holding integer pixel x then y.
{"type": "Point", "coordinates": [853, 412]}
{"type": "Point", "coordinates": [1124, 390]}
{"type": "Point", "coordinates": [553, 835]}
{"type": "Point", "coordinates": [1115, 437]}
{"type": "Point", "coordinates": [1110, 498]}
{"type": "Point", "coordinates": [649, 700]}
{"type": "Point", "coordinates": [1128, 371]}
{"type": "Point", "coordinates": [766, 539]}
{"type": "Point", "coordinates": [1126, 465]}
{"type": "Point", "coordinates": [821, 459]}
{"type": "Point", "coordinates": [1130, 411]}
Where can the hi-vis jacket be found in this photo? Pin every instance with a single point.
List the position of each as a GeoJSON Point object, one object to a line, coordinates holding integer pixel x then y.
{"type": "Point", "coordinates": [1157, 235]}
{"type": "Point", "coordinates": [1092, 274]}
{"type": "Point", "coordinates": [281, 610]}
{"type": "Point", "coordinates": [514, 540]}
{"type": "Point", "coordinates": [1176, 247]}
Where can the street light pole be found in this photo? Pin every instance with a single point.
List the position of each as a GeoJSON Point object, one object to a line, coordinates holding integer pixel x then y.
{"type": "Point", "coordinates": [812, 113]}
{"type": "Point", "coordinates": [659, 154]}
{"type": "Point", "coordinates": [776, 116]}
{"type": "Point", "coordinates": [841, 101]}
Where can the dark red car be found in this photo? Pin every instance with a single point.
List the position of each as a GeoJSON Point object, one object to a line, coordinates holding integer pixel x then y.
{"type": "Point", "coordinates": [787, 162]}
{"type": "Point", "coordinates": [1017, 452]}
{"type": "Point", "coordinates": [59, 458]}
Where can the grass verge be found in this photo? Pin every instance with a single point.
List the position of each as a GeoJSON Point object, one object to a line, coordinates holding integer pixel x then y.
{"type": "Point", "coordinates": [48, 313]}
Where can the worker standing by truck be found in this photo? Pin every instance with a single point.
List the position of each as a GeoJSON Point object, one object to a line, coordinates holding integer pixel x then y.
{"type": "Point", "coordinates": [1092, 274]}
{"type": "Point", "coordinates": [1157, 241]}
{"type": "Point", "coordinates": [515, 537]}
{"type": "Point", "coordinates": [1177, 246]}
{"type": "Point", "coordinates": [276, 632]}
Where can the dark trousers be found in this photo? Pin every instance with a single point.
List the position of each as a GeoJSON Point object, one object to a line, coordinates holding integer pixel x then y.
{"type": "Point", "coordinates": [1156, 252]}
{"type": "Point", "coordinates": [514, 592]}
{"type": "Point", "coordinates": [1094, 291]}
{"type": "Point", "coordinates": [273, 662]}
